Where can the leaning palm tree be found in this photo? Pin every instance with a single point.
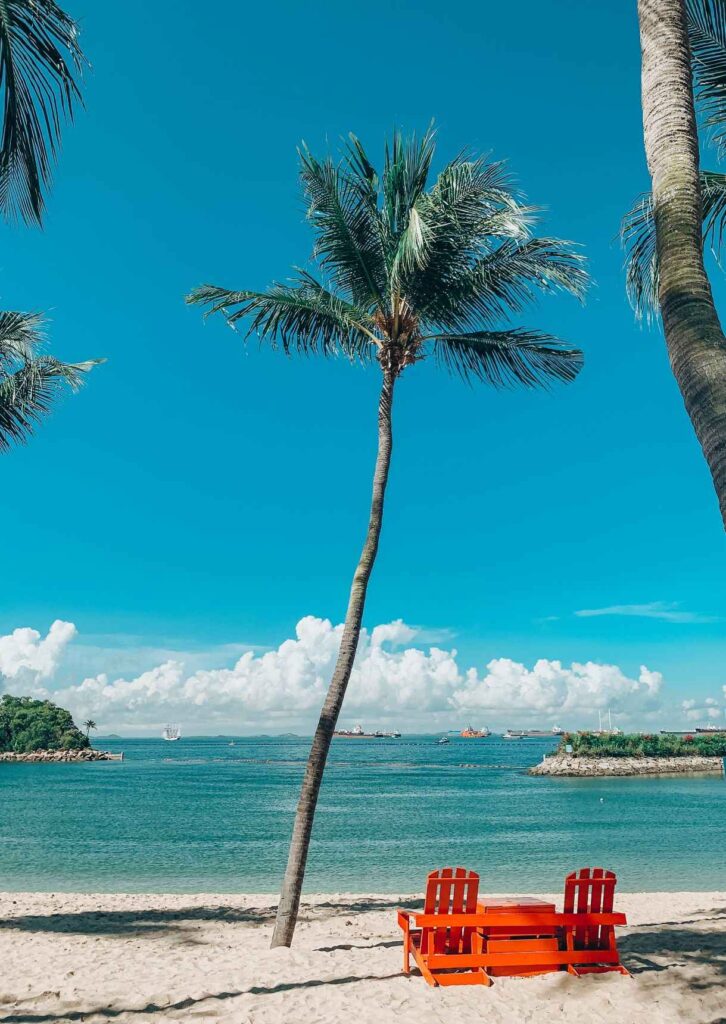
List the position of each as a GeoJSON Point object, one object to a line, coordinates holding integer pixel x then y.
{"type": "Point", "coordinates": [414, 270]}
{"type": "Point", "coordinates": [39, 56]}
{"type": "Point", "coordinates": [88, 725]}
{"type": "Point", "coordinates": [664, 232]}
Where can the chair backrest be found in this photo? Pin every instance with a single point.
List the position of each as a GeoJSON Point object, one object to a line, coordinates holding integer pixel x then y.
{"type": "Point", "coordinates": [449, 891]}
{"type": "Point", "coordinates": [591, 891]}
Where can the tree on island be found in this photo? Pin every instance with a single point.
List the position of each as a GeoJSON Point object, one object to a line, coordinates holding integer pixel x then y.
{"type": "Point", "coordinates": [88, 725]}
{"type": "Point", "coordinates": [27, 725]}
{"type": "Point", "coordinates": [414, 272]}
{"type": "Point", "coordinates": [40, 58]}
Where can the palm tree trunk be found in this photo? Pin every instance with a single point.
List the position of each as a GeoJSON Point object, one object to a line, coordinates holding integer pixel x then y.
{"type": "Point", "coordinates": [694, 337]}
{"type": "Point", "coordinates": [287, 909]}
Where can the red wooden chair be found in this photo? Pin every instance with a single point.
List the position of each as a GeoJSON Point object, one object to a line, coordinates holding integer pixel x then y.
{"type": "Point", "coordinates": [591, 891]}
{"type": "Point", "coordinates": [449, 891]}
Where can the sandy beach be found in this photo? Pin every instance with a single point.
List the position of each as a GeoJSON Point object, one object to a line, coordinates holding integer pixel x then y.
{"type": "Point", "coordinates": [206, 957]}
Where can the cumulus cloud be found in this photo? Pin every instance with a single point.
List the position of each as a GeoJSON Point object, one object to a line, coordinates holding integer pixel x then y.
{"type": "Point", "coordinates": [398, 679]}
{"type": "Point", "coordinates": [552, 687]}
{"type": "Point", "coordinates": [696, 711]}
{"type": "Point", "coordinates": [27, 657]}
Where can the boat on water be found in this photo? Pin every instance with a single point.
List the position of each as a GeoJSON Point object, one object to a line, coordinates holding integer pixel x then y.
{"type": "Point", "coordinates": [470, 733]}
{"type": "Point", "coordinates": [710, 728]}
{"type": "Point", "coordinates": [171, 733]}
{"type": "Point", "coordinates": [444, 739]}
{"type": "Point", "coordinates": [521, 734]}
{"type": "Point", "coordinates": [358, 733]}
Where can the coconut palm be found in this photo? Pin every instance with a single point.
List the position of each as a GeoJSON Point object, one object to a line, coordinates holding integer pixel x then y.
{"type": "Point", "coordinates": [88, 725]}
{"type": "Point", "coordinates": [39, 54]}
{"type": "Point", "coordinates": [664, 232]}
{"type": "Point", "coordinates": [29, 379]}
{"type": "Point", "coordinates": [414, 271]}
{"type": "Point", "coordinates": [40, 58]}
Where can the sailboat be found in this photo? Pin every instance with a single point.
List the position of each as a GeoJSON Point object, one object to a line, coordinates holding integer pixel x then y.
{"type": "Point", "coordinates": [171, 732]}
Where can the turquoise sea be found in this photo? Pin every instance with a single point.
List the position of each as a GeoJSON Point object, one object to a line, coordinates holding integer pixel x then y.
{"type": "Point", "coordinates": [201, 815]}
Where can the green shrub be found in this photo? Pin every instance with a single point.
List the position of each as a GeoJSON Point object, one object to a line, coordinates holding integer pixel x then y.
{"type": "Point", "coordinates": [591, 744]}
{"type": "Point", "coordinates": [27, 725]}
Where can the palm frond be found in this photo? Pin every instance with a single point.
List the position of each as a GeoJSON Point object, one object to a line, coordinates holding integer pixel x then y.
{"type": "Point", "coordinates": [707, 36]}
{"type": "Point", "coordinates": [638, 238]}
{"type": "Point", "coordinates": [40, 58]}
{"type": "Point", "coordinates": [504, 282]}
{"type": "Point", "coordinates": [507, 358]}
{"type": "Point", "coordinates": [28, 393]}
{"type": "Point", "coordinates": [340, 208]}
{"type": "Point", "coordinates": [21, 337]}
{"type": "Point", "coordinates": [304, 317]}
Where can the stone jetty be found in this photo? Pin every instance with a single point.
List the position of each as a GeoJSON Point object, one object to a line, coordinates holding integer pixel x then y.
{"type": "Point", "coordinates": [60, 756]}
{"type": "Point", "coordinates": [567, 765]}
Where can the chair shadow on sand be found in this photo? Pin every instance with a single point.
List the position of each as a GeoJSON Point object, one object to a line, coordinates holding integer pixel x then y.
{"type": "Point", "coordinates": [655, 948]}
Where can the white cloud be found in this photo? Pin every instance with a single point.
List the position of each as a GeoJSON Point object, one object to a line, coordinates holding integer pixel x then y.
{"type": "Point", "coordinates": [394, 682]}
{"type": "Point", "coordinates": [27, 657]}
{"type": "Point", "coordinates": [549, 688]}
{"type": "Point", "coordinates": [668, 611]}
{"type": "Point", "coordinates": [696, 711]}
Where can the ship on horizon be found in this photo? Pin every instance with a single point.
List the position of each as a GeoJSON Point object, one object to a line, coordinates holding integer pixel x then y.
{"type": "Point", "coordinates": [470, 733]}
{"type": "Point", "coordinates": [171, 733]}
{"type": "Point", "coordinates": [358, 733]}
{"type": "Point", "coordinates": [521, 734]}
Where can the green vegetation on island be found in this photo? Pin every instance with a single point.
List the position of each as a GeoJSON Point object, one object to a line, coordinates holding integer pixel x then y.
{"type": "Point", "coordinates": [592, 744]}
{"type": "Point", "coordinates": [27, 725]}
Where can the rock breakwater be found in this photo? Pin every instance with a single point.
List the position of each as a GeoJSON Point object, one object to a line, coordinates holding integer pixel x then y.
{"type": "Point", "coordinates": [567, 765]}
{"type": "Point", "coordinates": [59, 756]}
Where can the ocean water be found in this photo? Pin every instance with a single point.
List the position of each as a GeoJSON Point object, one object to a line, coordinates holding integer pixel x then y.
{"type": "Point", "coordinates": [200, 815]}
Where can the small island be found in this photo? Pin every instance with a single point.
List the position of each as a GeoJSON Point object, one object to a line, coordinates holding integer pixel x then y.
{"type": "Point", "coordinates": [591, 754]}
{"type": "Point", "coordinates": [38, 731]}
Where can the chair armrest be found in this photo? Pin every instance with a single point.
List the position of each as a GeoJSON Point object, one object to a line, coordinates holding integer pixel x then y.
{"type": "Point", "coordinates": [404, 919]}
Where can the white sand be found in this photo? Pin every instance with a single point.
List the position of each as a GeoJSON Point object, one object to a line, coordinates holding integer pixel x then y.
{"type": "Point", "coordinates": [205, 958]}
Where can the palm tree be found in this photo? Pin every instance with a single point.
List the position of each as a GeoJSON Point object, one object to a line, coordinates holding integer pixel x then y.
{"type": "Point", "coordinates": [413, 272]}
{"type": "Point", "coordinates": [665, 230]}
{"type": "Point", "coordinates": [29, 379]}
{"type": "Point", "coordinates": [39, 53]}
{"type": "Point", "coordinates": [88, 725]}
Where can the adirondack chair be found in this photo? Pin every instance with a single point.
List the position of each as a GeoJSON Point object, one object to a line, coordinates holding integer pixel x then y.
{"type": "Point", "coordinates": [591, 891]}
{"type": "Point", "coordinates": [449, 891]}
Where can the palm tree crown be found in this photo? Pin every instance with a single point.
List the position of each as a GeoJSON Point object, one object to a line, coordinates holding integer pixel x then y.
{"type": "Point", "coordinates": [706, 21]}
{"type": "Point", "coordinates": [29, 378]}
{"type": "Point", "coordinates": [39, 54]}
{"type": "Point", "coordinates": [404, 271]}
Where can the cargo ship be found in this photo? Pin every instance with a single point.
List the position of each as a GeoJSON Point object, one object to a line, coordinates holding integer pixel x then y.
{"type": "Point", "coordinates": [470, 733]}
{"type": "Point", "coordinates": [522, 734]}
{"type": "Point", "coordinates": [357, 733]}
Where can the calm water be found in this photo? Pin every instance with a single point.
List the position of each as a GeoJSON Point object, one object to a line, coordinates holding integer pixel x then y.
{"type": "Point", "coordinates": [200, 815]}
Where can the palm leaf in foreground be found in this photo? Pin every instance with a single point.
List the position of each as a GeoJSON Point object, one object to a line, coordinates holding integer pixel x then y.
{"type": "Point", "coordinates": [415, 271]}
{"type": "Point", "coordinates": [638, 238]}
{"type": "Point", "coordinates": [30, 381]}
{"type": "Point", "coordinates": [40, 59]}
{"type": "Point", "coordinates": [707, 38]}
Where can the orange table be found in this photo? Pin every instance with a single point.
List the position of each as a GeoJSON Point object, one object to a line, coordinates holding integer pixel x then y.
{"type": "Point", "coordinates": [505, 939]}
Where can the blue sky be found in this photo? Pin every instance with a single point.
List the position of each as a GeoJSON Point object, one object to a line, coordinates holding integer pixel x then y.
{"type": "Point", "coordinates": [197, 496]}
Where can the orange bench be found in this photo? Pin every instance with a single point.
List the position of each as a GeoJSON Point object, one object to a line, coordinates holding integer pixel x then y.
{"type": "Point", "coordinates": [454, 943]}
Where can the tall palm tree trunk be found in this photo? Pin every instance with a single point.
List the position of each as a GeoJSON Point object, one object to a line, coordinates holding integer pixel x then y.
{"type": "Point", "coordinates": [694, 337]}
{"type": "Point", "coordinates": [288, 906]}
